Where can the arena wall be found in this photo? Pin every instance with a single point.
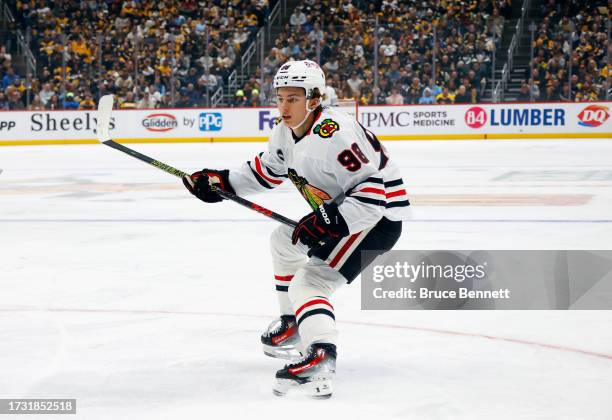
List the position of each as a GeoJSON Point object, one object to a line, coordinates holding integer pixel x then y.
{"type": "Point", "coordinates": [410, 122]}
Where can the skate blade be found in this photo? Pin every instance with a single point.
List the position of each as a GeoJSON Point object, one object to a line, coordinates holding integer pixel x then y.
{"type": "Point", "coordinates": [319, 389]}
{"type": "Point", "coordinates": [282, 353]}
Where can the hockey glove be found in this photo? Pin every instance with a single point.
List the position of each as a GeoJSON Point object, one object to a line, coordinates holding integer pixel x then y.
{"type": "Point", "coordinates": [324, 223]}
{"type": "Point", "coordinates": [200, 184]}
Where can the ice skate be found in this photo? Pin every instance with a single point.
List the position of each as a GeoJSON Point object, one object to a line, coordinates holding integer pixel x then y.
{"type": "Point", "coordinates": [311, 376]}
{"type": "Point", "coordinates": [281, 339]}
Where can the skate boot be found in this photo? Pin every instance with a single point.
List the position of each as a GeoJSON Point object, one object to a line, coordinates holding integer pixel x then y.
{"type": "Point", "coordinates": [312, 375]}
{"type": "Point", "coordinates": [281, 340]}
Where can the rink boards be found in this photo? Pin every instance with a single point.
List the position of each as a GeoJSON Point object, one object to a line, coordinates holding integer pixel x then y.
{"type": "Point", "coordinates": [401, 122]}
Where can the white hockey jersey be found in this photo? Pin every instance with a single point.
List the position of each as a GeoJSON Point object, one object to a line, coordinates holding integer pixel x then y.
{"type": "Point", "coordinates": [336, 160]}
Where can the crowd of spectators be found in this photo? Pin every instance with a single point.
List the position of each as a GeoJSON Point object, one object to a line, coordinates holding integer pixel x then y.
{"type": "Point", "coordinates": [343, 35]}
{"type": "Point", "coordinates": [136, 48]}
{"type": "Point", "coordinates": [132, 48]}
{"type": "Point", "coordinates": [570, 53]}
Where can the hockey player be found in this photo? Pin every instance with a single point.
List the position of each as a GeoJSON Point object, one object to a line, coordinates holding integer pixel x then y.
{"type": "Point", "coordinates": [358, 203]}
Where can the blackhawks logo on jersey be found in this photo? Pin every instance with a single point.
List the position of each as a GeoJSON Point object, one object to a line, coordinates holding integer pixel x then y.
{"type": "Point", "coordinates": [327, 128]}
{"type": "Point", "coordinates": [314, 196]}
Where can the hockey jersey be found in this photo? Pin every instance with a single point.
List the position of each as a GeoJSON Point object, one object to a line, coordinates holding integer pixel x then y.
{"type": "Point", "coordinates": [336, 160]}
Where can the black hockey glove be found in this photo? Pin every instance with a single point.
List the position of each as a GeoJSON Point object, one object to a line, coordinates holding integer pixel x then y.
{"type": "Point", "coordinates": [200, 183]}
{"type": "Point", "coordinates": [324, 223]}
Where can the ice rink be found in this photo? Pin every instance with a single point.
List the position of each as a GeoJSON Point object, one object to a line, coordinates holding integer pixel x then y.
{"type": "Point", "coordinates": [120, 289]}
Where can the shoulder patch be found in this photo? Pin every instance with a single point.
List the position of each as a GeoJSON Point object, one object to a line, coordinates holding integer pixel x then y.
{"type": "Point", "coordinates": [326, 128]}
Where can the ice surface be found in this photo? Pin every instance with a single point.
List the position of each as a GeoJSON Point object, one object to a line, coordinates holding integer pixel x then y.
{"type": "Point", "coordinates": [121, 290]}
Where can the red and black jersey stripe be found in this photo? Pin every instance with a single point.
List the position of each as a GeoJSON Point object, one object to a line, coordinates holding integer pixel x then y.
{"type": "Point", "coordinates": [265, 176]}
{"type": "Point", "coordinates": [318, 305]}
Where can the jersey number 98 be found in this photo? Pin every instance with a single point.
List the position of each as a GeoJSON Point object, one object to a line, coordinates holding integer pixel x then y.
{"type": "Point", "coordinates": [352, 158]}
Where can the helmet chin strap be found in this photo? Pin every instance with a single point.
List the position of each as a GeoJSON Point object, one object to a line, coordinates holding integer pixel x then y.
{"type": "Point", "coordinates": [308, 111]}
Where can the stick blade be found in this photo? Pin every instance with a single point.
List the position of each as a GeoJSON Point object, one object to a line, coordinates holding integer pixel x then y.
{"type": "Point", "coordinates": [105, 107]}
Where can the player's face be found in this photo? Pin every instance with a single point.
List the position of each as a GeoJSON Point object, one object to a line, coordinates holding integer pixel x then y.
{"type": "Point", "coordinates": [291, 103]}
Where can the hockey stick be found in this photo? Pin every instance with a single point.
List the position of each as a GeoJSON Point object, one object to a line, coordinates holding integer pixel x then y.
{"type": "Point", "coordinates": [105, 107]}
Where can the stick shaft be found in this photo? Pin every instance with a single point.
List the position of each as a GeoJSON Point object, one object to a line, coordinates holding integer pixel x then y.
{"type": "Point", "coordinates": [178, 173]}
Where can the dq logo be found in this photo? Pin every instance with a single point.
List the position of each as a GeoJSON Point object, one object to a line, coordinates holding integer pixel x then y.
{"type": "Point", "coordinates": [593, 116]}
{"type": "Point", "coordinates": [475, 117]}
{"type": "Point", "coordinates": [327, 128]}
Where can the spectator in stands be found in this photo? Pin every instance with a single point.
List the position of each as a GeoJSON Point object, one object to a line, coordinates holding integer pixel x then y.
{"type": "Point", "coordinates": [343, 30]}
{"type": "Point", "coordinates": [585, 54]}
{"type": "Point", "coordinates": [36, 104]}
{"type": "Point", "coordinates": [388, 48]}
{"type": "Point", "coordinates": [414, 91]}
{"type": "Point", "coordinates": [332, 65]}
{"type": "Point", "coordinates": [298, 18]}
{"type": "Point", "coordinates": [196, 98]}
{"type": "Point", "coordinates": [462, 97]}
{"type": "Point", "coordinates": [240, 99]}
{"type": "Point", "coordinates": [18, 86]}
{"type": "Point", "coordinates": [209, 81]}
{"type": "Point", "coordinates": [4, 102]}
{"type": "Point", "coordinates": [474, 96]}
{"type": "Point", "coordinates": [9, 78]}
{"type": "Point", "coordinates": [524, 95]}
{"type": "Point", "coordinates": [147, 101]}
{"type": "Point", "coordinates": [535, 89]}
{"type": "Point", "coordinates": [434, 87]}
{"type": "Point", "coordinates": [248, 90]}
{"type": "Point", "coordinates": [549, 94]}
{"type": "Point", "coordinates": [330, 95]}
{"type": "Point", "coordinates": [427, 98]}
{"type": "Point", "coordinates": [565, 94]}
{"type": "Point", "coordinates": [5, 57]}
{"type": "Point", "coordinates": [147, 29]}
{"type": "Point", "coordinates": [380, 91]}
{"type": "Point", "coordinates": [156, 96]}
{"type": "Point", "coordinates": [70, 101]}
{"type": "Point", "coordinates": [316, 34]}
{"type": "Point", "coordinates": [87, 103]}
{"type": "Point", "coordinates": [54, 103]}
{"type": "Point", "coordinates": [16, 101]}
{"type": "Point", "coordinates": [355, 83]}
{"type": "Point", "coordinates": [268, 93]}
{"type": "Point", "coordinates": [46, 93]}
{"type": "Point", "coordinates": [255, 98]}
{"type": "Point", "coordinates": [367, 96]}
{"type": "Point", "coordinates": [184, 101]}
{"type": "Point", "coordinates": [446, 97]}
{"type": "Point", "coordinates": [395, 98]}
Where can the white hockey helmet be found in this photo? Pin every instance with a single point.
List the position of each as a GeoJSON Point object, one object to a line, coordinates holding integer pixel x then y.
{"type": "Point", "coordinates": [305, 74]}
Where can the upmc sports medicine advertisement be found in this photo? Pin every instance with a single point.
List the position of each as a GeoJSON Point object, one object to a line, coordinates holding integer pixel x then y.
{"type": "Point", "coordinates": [435, 122]}
{"type": "Point", "coordinates": [488, 121]}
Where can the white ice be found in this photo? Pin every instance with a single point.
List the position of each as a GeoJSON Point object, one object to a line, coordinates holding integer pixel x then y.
{"type": "Point", "coordinates": [119, 289]}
